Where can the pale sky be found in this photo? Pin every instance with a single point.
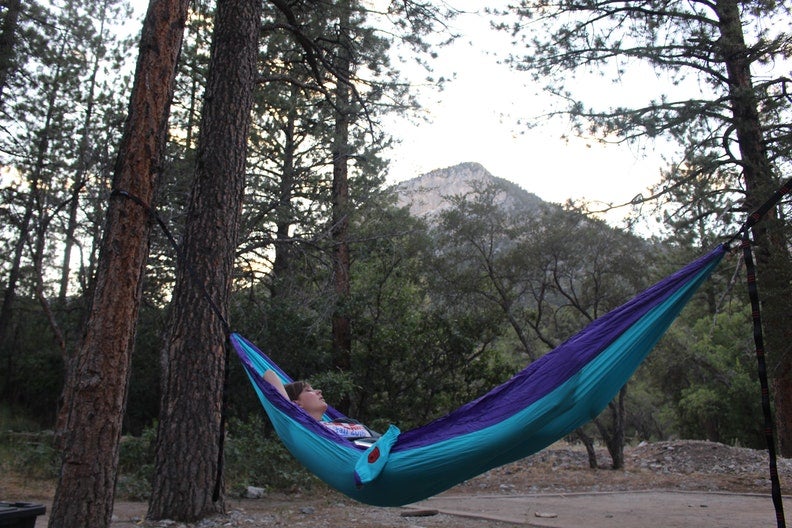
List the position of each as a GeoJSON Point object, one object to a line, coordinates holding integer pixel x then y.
{"type": "Point", "coordinates": [475, 120]}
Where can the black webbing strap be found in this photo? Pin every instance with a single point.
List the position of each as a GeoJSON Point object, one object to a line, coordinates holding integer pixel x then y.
{"type": "Point", "coordinates": [753, 293]}
{"type": "Point", "coordinates": [190, 271]}
{"type": "Point", "coordinates": [223, 415]}
{"type": "Point", "coordinates": [226, 328]}
{"type": "Point", "coordinates": [762, 210]}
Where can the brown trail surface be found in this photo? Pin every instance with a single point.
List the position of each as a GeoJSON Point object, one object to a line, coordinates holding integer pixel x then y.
{"type": "Point", "coordinates": [664, 485]}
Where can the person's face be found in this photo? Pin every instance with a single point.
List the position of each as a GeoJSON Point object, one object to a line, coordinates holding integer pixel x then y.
{"type": "Point", "coordinates": [312, 402]}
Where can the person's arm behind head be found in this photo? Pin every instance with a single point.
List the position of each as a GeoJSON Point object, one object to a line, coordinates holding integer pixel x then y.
{"type": "Point", "coordinates": [276, 382]}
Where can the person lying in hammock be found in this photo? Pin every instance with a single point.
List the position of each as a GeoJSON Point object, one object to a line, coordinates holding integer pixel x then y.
{"type": "Point", "coordinates": [312, 402]}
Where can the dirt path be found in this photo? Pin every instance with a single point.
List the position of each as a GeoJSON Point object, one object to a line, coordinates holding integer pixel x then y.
{"type": "Point", "coordinates": [651, 509]}
{"type": "Point", "coordinates": [664, 485]}
{"type": "Point", "coordinates": [646, 509]}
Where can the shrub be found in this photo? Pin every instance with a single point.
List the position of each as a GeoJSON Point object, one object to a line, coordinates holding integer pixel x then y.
{"type": "Point", "coordinates": [255, 458]}
{"type": "Point", "coordinates": [30, 455]}
{"type": "Point", "coordinates": [136, 464]}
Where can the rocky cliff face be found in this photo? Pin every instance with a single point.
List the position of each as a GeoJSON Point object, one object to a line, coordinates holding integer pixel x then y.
{"type": "Point", "coordinates": [428, 194]}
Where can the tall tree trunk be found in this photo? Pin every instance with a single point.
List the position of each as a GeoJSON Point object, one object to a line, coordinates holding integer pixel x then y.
{"type": "Point", "coordinates": [342, 333]}
{"type": "Point", "coordinates": [187, 449]}
{"type": "Point", "coordinates": [95, 396]}
{"type": "Point", "coordinates": [81, 170]}
{"type": "Point", "coordinates": [614, 437]}
{"type": "Point", "coordinates": [773, 262]}
{"type": "Point", "coordinates": [8, 40]}
{"type": "Point", "coordinates": [588, 443]}
{"type": "Point", "coordinates": [14, 275]}
{"type": "Point", "coordinates": [33, 202]}
{"type": "Point", "coordinates": [283, 213]}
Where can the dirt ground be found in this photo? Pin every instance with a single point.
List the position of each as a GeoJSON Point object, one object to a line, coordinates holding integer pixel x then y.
{"type": "Point", "coordinates": [667, 484]}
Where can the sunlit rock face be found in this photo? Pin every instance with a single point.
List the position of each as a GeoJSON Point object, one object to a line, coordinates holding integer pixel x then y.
{"type": "Point", "coordinates": [430, 193]}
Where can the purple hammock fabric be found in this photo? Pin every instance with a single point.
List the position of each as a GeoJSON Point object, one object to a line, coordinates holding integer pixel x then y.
{"type": "Point", "coordinates": [547, 400]}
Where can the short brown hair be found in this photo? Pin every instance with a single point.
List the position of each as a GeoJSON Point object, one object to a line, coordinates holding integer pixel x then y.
{"type": "Point", "coordinates": [294, 389]}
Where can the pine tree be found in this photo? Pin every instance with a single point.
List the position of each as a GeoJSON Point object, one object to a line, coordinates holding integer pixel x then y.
{"type": "Point", "coordinates": [9, 43]}
{"type": "Point", "coordinates": [95, 394]}
{"type": "Point", "coordinates": [54, 92]}
{"type": "Point", "coordinates": [731, 130]}
{"type": "Point", "coordinates": [188, 445]}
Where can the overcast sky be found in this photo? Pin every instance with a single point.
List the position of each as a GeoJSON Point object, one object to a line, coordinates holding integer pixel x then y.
{"type": "Point", "coordinates": [475, 120]}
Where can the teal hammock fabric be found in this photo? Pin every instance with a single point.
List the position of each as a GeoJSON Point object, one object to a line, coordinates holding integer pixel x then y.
{"type": "Point", "coordinates": [547, 400]}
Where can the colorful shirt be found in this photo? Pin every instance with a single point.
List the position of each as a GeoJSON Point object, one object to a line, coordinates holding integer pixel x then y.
{"type": "Point", "coordinates": [348, 430]}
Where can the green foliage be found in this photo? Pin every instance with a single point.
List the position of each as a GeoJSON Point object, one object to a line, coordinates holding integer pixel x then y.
{"type": "Point", "coordinates": [253, 458]}
{"type": "Point", "coordinates": [144, 385]}
{"type": "Point", "coordinates": [725, 404]}
{"type": "Point", "coordinates": [336, 386]}
{"type": "Point", "coordinates": [15, 420]}
{"type": "Point", "coordinates": [30, 453]}
{"type": "Point", "coordinates": [32, 374]}
{"type": "Point", "coordinates": [289, 328]}
{"type": "Point", "coordinates": [136, 464]}
{"type": "Point", "coordinates": [706, 370]}
{"type": "Point", "coordinates": [413, 358]}
{"type": "Point", "coordinates": [648, 415]}
{"type": "Point", "coordinates": [434, 366]}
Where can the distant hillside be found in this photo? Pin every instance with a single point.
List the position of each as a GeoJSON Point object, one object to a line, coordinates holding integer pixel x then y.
{"type": "Point", "coordinates": [427, 195]}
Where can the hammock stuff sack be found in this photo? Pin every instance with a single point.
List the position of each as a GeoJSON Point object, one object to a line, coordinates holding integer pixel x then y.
{"type": "Point", "coordinates": [549, 399]}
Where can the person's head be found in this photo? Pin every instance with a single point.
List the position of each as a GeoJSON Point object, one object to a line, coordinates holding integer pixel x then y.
{"type": "Point", "coordinates": [310, 399]}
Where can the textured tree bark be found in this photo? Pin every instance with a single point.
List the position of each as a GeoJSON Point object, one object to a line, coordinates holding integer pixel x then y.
{"type": "Point", "coordinates": [342, 332]}
{"type": "Point", "coordinates": [95, 395]}
{"type": "Point", "coordinates": [8, 40]}
{"type": "Point", "coordinates": [188, 440]}
{"type": "Point", "coordinates": [773, 262]}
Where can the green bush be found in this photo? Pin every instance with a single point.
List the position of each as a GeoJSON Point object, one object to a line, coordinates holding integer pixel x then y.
{"type": "Point", "coordinates": [255, 458]}
{"type": "Point", "coordinates": [29, 454]}
{"type": "Point", "coordinates": [14, 419]}
{"type": "Point", "coordinates": [136, 464]}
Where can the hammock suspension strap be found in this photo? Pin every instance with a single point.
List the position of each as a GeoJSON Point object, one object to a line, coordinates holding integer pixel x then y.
{"type": "Point", "coordinates": [762, 210]}
{"type": "Point", "coordinates": [226, 327]}
{"type": "Point", "coordinates": [753, 293]}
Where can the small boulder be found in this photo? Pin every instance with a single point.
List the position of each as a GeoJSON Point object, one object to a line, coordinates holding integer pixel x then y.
{"type": "Point", "coordinates": [252, 492]}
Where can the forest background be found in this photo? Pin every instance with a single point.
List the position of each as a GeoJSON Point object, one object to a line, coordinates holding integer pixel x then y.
{"type": "Point", "coordinates": [399, 319]}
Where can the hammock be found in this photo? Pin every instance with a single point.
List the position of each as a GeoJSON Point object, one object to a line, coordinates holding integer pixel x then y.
{"type": "Point", "coordinates": [549, 399]}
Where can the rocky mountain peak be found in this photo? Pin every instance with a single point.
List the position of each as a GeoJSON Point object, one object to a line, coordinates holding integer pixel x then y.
{"type": "Point", "coordinates": [427, 194]}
